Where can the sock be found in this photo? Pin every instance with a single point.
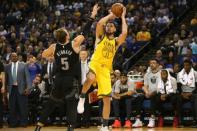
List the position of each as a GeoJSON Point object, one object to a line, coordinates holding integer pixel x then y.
{"type": "Point", "coordinates": [40, 124]}
{"type": "Point", "coordinates": [70, 126]}
{"type": "Point", "coordinates": [38, 128]}
{"type": "Point", "coordinates": [105, 122]}
{"type": "Point", "coordinates": [83, 95]}
{"type": "Point", "coordinates": [137, 117]}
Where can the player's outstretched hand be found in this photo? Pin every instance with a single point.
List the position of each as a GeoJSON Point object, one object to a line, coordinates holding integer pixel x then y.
{"type": "Point", "coordinates": [112, 16]}
{"type": "Point", "coordinates": [124, 12]}
{"type": "Point", "coordinates": [95, 11]}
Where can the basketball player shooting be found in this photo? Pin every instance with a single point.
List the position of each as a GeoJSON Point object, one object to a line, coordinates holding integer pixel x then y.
{"type": "Point", "coordinates": [66, 53]}
{"type": "Point", "coordinates": [101, 63]}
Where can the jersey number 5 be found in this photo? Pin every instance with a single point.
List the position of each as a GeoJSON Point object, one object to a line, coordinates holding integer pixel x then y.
{"type": "Point", "coordinates": [65, 65]}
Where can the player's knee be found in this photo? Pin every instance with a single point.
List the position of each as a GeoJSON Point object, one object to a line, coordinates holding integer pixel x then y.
{"type": "Point", "coordinates": [106, 99]}
{"type": "Point", "coordinates": [91, 77]}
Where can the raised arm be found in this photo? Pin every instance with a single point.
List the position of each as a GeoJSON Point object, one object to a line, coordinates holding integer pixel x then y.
{"type": "Point", "coordinates": [86, 30]}
{"type": "Point", "coordinates": [100, 25]}
{"type": "Point", "coordinates": [123, 35]}
{"type": "Point", "coordinates": [49, 52]}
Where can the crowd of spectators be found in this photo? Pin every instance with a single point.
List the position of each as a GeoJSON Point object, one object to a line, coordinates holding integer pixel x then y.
{"type": "Point", "coordinates": [182, 46]}
{"type": "Point", "coordinates": [27, 26]}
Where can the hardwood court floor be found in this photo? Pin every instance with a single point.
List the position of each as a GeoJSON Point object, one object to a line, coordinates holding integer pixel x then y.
{"type": "Point", "coordinates": [96, 129]}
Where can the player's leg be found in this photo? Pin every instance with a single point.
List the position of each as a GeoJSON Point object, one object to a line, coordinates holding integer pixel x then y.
{"type": "Point", "coordinates": [48, 109]}
{"type": "Point", "coordinates": [104, 91]}
{"type": "Point", "coordinates": [106, 110]}
{"type": "Point", "coordinates": [89, 81]}
{"type": "Point", "coordinates": [71, 112]}
{"type": "Point", "coordinates": [56, 96]}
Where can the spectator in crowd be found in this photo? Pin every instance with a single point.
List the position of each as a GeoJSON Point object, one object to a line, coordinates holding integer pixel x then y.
{"type": "Point", "coordinates": [84, 64]}
{"type": "Point", "coordinates": [190, 57]}
{"type": "Point", "coordinates": [2, 31]}
{"type": "Point", "coordinates": [166, 92]}
{"type": "Point", "coordinates": [125, 53]}
{"type": "Point", "coordinates": [18, 86]}
{"type": "Point", "coordinates": [159, 57]}
{"type": "Point", "coordinates": [177, 42]}
{"type": "Point", "coordinates": [113, 79]}
{"type": "Point", "coordinates": [130, 40]}
{"type": "Point", "coordinates": [34, 99]}
{"type": "Point", "coordinates": [182, 50]}
{"type": "Point", "coordinates": [143, 35]}
{"type": "Point", "coordinates": [33, 67]}
{"type": "Point", "coordinates": [151, 80]}
{"type": "Point", "coordinates": [2, 44]}
{"type": "Point", "coordinates": [48, 74]}
{"type": "Point", "coordinates": [117, 74]}
{"type": "Point", "coordinates": [170, 60]}
{"type": "Point", "coordinates": [123, 91]}
{"type": "Point", "coordinates": [194, 20]}
{"type": "Point", "coordinates": [167, 46]}
{"type": "Point", "coordinates": [176, 70]}
{"type": "Point", "coordinates": [193, 46]}
{"type": "Point", "coordinates": [183, 32]}
{"type": "Point", "coordinates": [118, 61]}
{"type": "Point", "coordinates": [6, 56]}
{"type": "Point", "coordinates": [2, 89]}
{"type": "Point", "coordinates": [187, 83]}
{"type": "Point", "coordinates": [162, 19]}
{"type": "Point", "coordinates": [142, 70]}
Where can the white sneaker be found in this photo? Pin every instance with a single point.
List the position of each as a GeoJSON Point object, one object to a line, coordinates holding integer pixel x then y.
{"type": "Point", "coordinates": [104, 128]}
{"type": "Point", "coordinates": [151, 123]}
{"type": "Point", "coordinates": [138, 123]}
{"type": "Point", "coordinates": [80, 106]}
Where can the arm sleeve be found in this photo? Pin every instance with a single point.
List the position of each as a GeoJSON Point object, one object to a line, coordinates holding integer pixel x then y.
{"type": "Point", "coordinates": [86, 29]}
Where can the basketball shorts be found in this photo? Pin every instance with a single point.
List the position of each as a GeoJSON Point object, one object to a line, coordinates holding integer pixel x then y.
{"type": "Point", "coordinates": [102, 77]}
{"type": "Point", "coordinates": [64, 87]}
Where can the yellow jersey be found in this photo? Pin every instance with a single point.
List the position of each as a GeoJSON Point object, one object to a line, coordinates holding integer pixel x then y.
{"type": "Point", "coordinates": [104, 52]}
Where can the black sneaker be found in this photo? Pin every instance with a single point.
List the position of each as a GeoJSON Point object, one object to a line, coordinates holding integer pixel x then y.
{"type": "Point", "coordinates": [70, 128]}
{"type": "Point", "coordinates": [194, 124]}
{"type": "Point", "coordinates": [85, 125]}
{"type": "Point", "coordinates": [38, 128]}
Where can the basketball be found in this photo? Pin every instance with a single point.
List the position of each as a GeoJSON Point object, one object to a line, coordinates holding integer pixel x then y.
{"type": "Point", "coordinates": [117, 9]}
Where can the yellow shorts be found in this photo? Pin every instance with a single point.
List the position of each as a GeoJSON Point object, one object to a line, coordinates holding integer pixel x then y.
{"type": "Point", "coordinates": [102, 77]}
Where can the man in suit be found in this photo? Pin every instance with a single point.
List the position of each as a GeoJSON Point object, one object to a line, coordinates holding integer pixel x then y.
{"type": "Point", "coordinates": [84, 69]}
{"type": "Point", "coordinates": [18, 86]}
{"type": "Point", "coordinates": [48, 73]}
{"type": "Point", "coordinates": [6, 56]}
